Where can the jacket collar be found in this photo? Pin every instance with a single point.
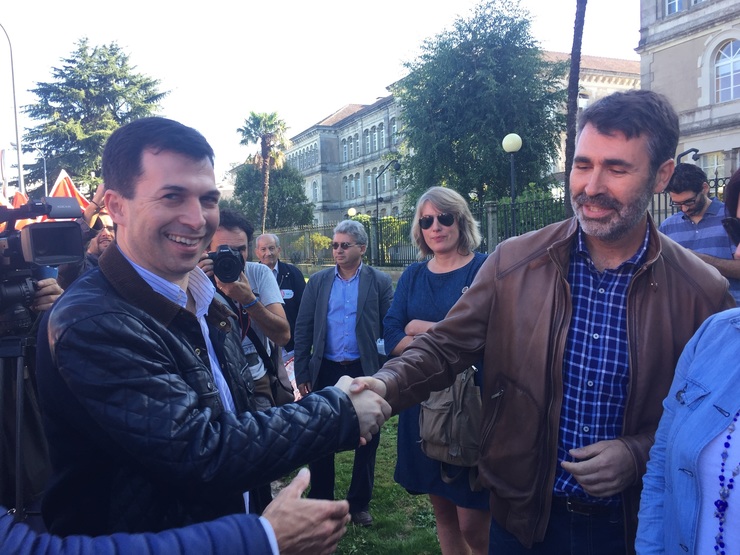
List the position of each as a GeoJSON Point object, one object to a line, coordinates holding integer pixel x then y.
{"type": "Point", "coordinates": [134, 290]}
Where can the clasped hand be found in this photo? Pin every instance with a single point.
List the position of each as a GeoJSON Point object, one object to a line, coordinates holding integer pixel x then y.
{"type": "Point", "coordinates": [371, 409]}
{"type": "Point", "coordinates": [603, 469]}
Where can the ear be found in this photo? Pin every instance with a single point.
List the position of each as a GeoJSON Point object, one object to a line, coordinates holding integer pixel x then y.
{"type": "Point", "coordinates": [663, 175]}
{"type": "Point", "coordinates": [114, 203]}
{"type": "Point", "coordinates": [363, 248]}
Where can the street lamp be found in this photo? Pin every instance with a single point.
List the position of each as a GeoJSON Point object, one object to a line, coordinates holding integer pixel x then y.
{"type": "Point", "coordinates": [21, 185]}
{"type": "Point", "coordinates": [694, 156]}
{"type": "Point", "coordinates": [396, 167]}
{"type": "Point", "coordinates": [46, 183]}
{"type": "Point", "coordinates": [512, 143]}
{"type": "Point", "coordinates": [352, 212]}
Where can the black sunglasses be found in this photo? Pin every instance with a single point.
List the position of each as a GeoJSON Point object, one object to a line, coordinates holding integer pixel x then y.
{"type": "Point", "coordinates": [344, 246]}
{"type": "Point", "coordinates": [446, 219]}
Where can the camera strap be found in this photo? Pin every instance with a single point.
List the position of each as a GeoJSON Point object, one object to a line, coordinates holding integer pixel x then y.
{"type": "Point", "coordinates": [261, 351]}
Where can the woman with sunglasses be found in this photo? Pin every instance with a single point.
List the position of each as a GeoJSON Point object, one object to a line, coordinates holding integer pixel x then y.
{"type": "Point", "coordinates": [444, 229]}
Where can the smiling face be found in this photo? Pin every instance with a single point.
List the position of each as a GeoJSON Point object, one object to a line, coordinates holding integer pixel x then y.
{"type": "Point", "coordinates": [439, 238]}
{"type": "Point", "coordinates": [104, 237]}
{"type": "Point", "coordinates": [267, 251]}
{"type": "Point", "coordinates": [611, 184]}
{"type": "Point", "coordinates": [169, 222]}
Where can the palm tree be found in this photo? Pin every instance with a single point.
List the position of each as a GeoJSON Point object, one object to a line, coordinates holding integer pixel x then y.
{"type": "Point", "coordinates": [572, 106]}
{"type": "Point", "coordinates": [269, 131]}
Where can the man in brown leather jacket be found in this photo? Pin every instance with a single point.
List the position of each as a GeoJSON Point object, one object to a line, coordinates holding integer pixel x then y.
{"type": "Point", "coordinates": [580, 325]}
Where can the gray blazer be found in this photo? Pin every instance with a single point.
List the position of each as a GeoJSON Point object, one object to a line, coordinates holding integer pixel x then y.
{"type": "Point", "coordinates": [373, 300]}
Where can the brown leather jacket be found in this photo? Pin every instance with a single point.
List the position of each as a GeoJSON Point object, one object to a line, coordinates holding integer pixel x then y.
{"type": "Point", "coordinates": [517, 312]}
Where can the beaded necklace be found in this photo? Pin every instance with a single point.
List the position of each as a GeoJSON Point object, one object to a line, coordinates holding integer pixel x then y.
{"type": "Point", "coordinates": [725, 488]}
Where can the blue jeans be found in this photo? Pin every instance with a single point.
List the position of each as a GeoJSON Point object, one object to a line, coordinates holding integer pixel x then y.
{"type": "Point", "coordinates": [567, 534]}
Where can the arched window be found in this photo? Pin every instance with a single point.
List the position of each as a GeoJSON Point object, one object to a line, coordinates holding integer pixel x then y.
{"type": "Point", "coordinates": [727, 72]}
{"type": "Point", "coordinates": [352, 189]}
{"type": "Point", "coordinates": [368, 182]}
{"type": "Point", "coordinates": [315, 193]}
{"type": "Point", "coordinates": [374, 137]}
{"type": "Point", "coordinates": [394, 131]}
{"type": "Point", "coordinates": [394, 211]}
{"type": "Point", "coordinates": [383, 181]}
{"type": "Point", "coordinates": [346, 189]}
{"type": "Point", "coordinates": [359, 187]}
{"type": "Point", "coordinates": [351, 149]}
{"type": "Point", "coordinates": [367, 141]}
{"type": "Point", "coordinates": [344, 150]}
{"type": "Point", "coordinates": [381, 136]}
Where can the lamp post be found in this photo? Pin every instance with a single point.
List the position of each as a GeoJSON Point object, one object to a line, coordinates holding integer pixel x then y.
{"type": "Point", "coordinates": [21, 185]}
{"type": "Point", "coordinates": [352, 212]}
{"type": "Point", "coordinates": [512, 143]}
{"type": "Point", "coordinates": [46, 183]}
{"type": "Point", "coordinates": [396, 167]}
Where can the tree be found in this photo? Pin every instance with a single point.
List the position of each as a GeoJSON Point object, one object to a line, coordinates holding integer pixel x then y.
{"type": "Point", "coordinates": [573, 89]}
{"type": "Point", "coordinates": [94, 92]}
{"type": "Point", "coordinates": [289, 205]}
{"type": "Point", "coordinates": [471, 86]}
{"type": "Point", "coordinates": [269, 131]}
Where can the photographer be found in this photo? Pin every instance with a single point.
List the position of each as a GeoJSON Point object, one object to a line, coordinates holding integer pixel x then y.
{"type": "Point", "coordinates": [254, 297]}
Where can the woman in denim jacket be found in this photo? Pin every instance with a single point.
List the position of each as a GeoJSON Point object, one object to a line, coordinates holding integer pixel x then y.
{"type": "Point", "coordinates": [691, 492]}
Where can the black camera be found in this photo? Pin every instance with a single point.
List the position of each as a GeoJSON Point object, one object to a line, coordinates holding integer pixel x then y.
{"type": "Point", "coordinates": [227, 263]}
{"type": "Point", "coordinates": [24, 255]}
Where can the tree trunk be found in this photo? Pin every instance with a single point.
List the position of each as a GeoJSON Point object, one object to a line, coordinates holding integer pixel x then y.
{"type": "Point", "coordinates": [572, 105]}
{"type": "Point", "coordinates": [265, 181]}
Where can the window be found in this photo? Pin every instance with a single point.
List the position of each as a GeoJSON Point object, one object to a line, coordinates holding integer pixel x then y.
{"type": "Point", "coordinates": [344, 150]}
{"type": "Point", "coordinates": [727, 72]}
{"type": "Point", "coordinates": [315, 191]}
{"type": "Point", "coordinates": [713, 163]}
{"type": "Point", "coordinates": [352, 189]}
{"type": "Point", "coordinates": [367, 141]}
{"type": "Point", "coordinates": [359, 187]}
{"type": "Point", "coordinates": [374, 136]}
{"type": "Point", "coordinates": [346, 189]}
{"type": "Point", "coordinates": [383, 181]}
{"type": "Point", "coordinates": [673, 6]}
{"type": "Point", "coordinates": [351, 149]}
{"type": "Point", "coordinates": [381, 136]}
{"type": "Point", "coordinates": [394, 131]}
{"type": "Point", "coordinates": [368, 181]}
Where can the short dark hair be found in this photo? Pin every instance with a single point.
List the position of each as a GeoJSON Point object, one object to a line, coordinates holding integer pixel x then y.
{"type": "Point", "coordinates": [686, 177]}
{"type": "Point", "coordinates": [231, 220]}
{"type": "Point", "coordinates": [635, 113]}
{"type": "Point", "coordinates": [123, 150]}
{"type": "Point", "coordinates": [732, 192]}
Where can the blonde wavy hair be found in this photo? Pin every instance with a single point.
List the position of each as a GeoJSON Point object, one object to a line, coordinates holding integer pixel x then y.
{"type": "Point", "coordinates": [447, 200]}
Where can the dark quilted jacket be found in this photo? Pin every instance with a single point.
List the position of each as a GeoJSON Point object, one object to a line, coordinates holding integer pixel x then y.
{"type": "Point", "coordinates": [138, 437]}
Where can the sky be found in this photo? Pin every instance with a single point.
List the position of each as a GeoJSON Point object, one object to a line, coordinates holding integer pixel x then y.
{"type": "Point", "coordinates": [303, 60]}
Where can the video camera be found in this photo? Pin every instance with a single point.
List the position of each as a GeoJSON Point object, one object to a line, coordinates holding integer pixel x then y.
{"type": "Point", "coordinates": [228, 263]}
{"type": "Point", "coordinates": [25, 253]}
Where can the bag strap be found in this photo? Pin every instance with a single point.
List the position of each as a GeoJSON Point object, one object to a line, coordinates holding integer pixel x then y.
{"type": "Point", "coordinates": [261, 351]}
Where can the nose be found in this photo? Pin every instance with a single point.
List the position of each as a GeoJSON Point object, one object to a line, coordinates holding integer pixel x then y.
{"type": "Point", "coordinates": [193, 214]}
{"type": "Point", "coordinates": [595, 182]}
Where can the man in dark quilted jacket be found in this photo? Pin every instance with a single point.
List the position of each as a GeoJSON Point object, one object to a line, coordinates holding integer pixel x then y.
{"type": "Point", "coordinates": [142, 380]}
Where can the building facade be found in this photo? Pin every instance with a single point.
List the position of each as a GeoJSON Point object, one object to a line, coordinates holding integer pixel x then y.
{"type": "Point", "coordinates": [690, 52]}
{"type": "Point", "coordinates": [342, 159]}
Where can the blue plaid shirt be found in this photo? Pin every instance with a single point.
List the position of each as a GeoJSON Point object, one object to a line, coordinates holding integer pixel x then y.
{"type": "Point", "coordinates": [596, 359]}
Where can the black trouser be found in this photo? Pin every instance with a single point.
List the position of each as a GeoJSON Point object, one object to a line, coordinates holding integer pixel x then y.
{"type": "Point", "coordinates": [363, 471]}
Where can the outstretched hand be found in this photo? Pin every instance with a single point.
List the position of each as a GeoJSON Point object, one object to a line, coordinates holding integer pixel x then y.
{"type": "Point", "coordinates": [371, 409]}
{"type": "Point", "coordinates": [311, 526]}
{"type": "Point", "coordinates": [605, 468]}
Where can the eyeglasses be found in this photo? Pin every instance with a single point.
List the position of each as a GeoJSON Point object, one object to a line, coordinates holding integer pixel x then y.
{"type": "Point", "coordinates": [446, 219]}
{"type": "Point", "coordinates": [687, 203]}
{"type": "Point", "coordinates": [344, 246]}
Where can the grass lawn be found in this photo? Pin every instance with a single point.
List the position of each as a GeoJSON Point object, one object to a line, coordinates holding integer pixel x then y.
{"type": "Point", "coordinates": [403, 524]}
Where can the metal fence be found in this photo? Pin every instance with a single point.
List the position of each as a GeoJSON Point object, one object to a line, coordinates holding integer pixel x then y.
{"type": "Point", "coordinates": [390, 244]}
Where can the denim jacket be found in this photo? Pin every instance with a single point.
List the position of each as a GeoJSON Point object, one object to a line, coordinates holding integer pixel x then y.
{"type": "Point", "coordinates": [703, 399]}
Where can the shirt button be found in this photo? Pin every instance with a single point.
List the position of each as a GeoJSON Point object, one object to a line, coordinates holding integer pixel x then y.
{"type": "Point", "coordinates": [222, 324]}
{"type": "Point", "coordinates": [590, 383]}
{"type": "Point", "coordinates": [596, 336]}
{"type": "Point", "coordinates": [601, 290]}
{"type": "Point", "coordinates": [586, 429]}
{"type": "Point", "coordinates": [197, 351]}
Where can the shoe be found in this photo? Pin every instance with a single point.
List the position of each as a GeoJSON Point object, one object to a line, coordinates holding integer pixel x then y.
{"type": "Point", "coordinates": [362, 518]}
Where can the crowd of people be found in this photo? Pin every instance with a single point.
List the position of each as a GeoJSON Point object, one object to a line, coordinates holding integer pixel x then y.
{"type": "Point", "coordinates": [606, 350]}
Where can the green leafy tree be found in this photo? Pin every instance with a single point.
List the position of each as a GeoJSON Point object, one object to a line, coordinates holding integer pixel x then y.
{"type": "Point", "coordinates": [288, 206]}
{"type": "Point", "coordinates": [573, 89]}
{"type": "Point", "coordinates": [471, 86]}
{"type": "Point", "coordinates": [311, 245]}
{"type": "Point", "coordinates": [270, 133]}
{"type": "Point", "coordinates": [95, 91]}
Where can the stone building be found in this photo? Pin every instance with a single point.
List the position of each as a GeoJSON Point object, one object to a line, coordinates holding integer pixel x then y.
{"type": "Point", "coordinates": [690, 52]}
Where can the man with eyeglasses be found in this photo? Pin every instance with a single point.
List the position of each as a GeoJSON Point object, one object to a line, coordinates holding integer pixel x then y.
{"type": "Point", "coordinates": [339, 321]}
{"type": "Point", "coordinates": [698, 224]}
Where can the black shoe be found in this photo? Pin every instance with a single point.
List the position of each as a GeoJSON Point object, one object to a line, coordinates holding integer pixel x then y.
{"type": "Point", "coordinates": [362, 518]}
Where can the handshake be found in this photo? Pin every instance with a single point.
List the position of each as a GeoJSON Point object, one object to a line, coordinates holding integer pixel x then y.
{"type": "Point", "coordinates": [367, 396]}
